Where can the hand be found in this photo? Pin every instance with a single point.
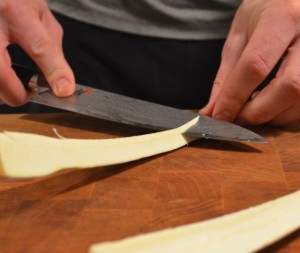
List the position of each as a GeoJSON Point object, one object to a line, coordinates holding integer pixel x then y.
{"type": "Point", "coordinates": [31, 25]}
{"type": "Point", "coordinates": [262, 32]}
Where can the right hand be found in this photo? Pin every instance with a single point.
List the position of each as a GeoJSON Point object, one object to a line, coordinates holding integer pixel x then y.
{"type": "Point", "coordinates": [263, 33]}
{"type": "Point", "coordinates": [31, 25]}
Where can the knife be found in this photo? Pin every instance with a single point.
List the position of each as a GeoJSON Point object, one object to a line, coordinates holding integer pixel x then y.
{"type": "Point", "coordinates": [118, 108]}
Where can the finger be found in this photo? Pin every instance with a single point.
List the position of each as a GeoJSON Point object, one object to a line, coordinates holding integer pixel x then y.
{"type": "Point", "coordinates": [231, 52]}
{"type": "Point", "coordinates": [223, 72]}
{"type": "Point", "coordinates": [46, 51]}
{"type": "Point", "coordinates": [289, 116]}
{"type": "Point", "coordinates": [52, 26]}
{"type": "Point", "coordinates": [233, 47]}
{"type": "Point", "coordinates": [261, 54]}
{"type": "Point", "coordinates": [12, 91]}
{"type": "Point", "coordinates": [267, 104]}
{"type": "Point", "coordinates": [280, 96]}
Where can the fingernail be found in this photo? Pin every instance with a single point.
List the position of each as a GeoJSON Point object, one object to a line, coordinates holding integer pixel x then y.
{"type": "Point", "coordinates": [205, 111]}
{"type": "Point", "coordinates": [62, 87]}
{"type": "Point", "coordinates": [225, 116]}
{"type": "Point", "coordinates": [254, 94]}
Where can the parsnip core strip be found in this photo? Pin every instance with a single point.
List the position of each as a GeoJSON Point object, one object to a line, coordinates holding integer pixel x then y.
{"type": "Point", "coordinates": [248, 230]}
{"type": "Point", "coordinates": [31, 155]}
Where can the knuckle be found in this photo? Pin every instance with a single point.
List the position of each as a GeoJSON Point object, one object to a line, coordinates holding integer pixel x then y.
{"type": "Point", "coordinates": [234, 98]}
{"type": "Point", "coordinates": [59, 31]}
{"type": "Point", "coordinates": [57, 28]}
{"type": "Point", "coordinates": [292, 85]}
{"type": "Point", "coordinates": [40, 46]}
{"type": "Point", "coordinates": [218, 81]}
{"type": "Point", "coordinates": [258, 67]}
{"type": "Point", "coordinates": [258, 116]}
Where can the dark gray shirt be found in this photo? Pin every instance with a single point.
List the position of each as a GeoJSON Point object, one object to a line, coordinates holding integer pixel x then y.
{"type": "Point", "coordinates": [176, 19]}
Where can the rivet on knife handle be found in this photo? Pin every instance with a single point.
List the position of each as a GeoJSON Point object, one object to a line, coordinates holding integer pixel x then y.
{"type": "Point", "coordinates": [32, 80]}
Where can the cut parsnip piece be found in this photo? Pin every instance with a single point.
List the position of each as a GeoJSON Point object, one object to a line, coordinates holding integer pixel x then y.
{"type": "Point", "coordinates": [245, 231]}
{"type": "Point", "coordinates": [30, 155]}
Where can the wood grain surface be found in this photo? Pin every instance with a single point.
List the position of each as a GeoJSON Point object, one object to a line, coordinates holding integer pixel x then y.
{"type": "Point", "coordinates": [70, 210]}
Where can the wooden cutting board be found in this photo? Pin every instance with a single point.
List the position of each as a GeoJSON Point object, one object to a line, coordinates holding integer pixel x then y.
{"type": "Point", "coordinates": [70, 210]}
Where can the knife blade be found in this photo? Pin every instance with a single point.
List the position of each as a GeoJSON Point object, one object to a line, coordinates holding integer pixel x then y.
{"type": "Point", "coordinates": [122, 109]}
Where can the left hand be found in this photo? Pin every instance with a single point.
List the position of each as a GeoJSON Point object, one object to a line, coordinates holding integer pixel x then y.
{"type": "Point", "coordinates": [262, 32]}
{"type": "Point", "coordinates": [32, 26]}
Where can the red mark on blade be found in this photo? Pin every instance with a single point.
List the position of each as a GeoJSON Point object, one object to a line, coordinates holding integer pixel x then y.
{"type": "Point", "coordinates": [83, 91]}
{"type": "Point", "coordinates": [87, 91]}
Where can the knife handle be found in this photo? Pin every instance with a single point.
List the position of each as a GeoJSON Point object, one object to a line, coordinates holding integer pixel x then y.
{"type": "Point", "coordinates": [32, 79]}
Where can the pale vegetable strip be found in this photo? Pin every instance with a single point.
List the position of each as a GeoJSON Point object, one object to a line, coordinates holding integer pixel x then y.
{"type": "Point", "coordinates": [31, 155]}
{"type": "Point", "coordinates": [245, 231]}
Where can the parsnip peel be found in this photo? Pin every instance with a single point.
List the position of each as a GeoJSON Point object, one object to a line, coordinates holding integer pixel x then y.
{"type": "Point", "coordinates": [31, 155]}
{"type": "Point", "coordinates": [248, 230]}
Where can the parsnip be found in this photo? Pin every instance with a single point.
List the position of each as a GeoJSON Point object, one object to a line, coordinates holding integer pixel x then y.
{"type": "Point", "coordinates": [30, 155]}
{"type": "Point", "coordinates": [244, 231]}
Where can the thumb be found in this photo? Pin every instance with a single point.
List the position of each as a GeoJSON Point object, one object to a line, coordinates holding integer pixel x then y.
{"type": "Point", "coordinates": [46, 50]}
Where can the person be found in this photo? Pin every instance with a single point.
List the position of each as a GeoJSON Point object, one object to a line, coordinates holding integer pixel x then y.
{"type": "Point", "coordinates": [182, 38]}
